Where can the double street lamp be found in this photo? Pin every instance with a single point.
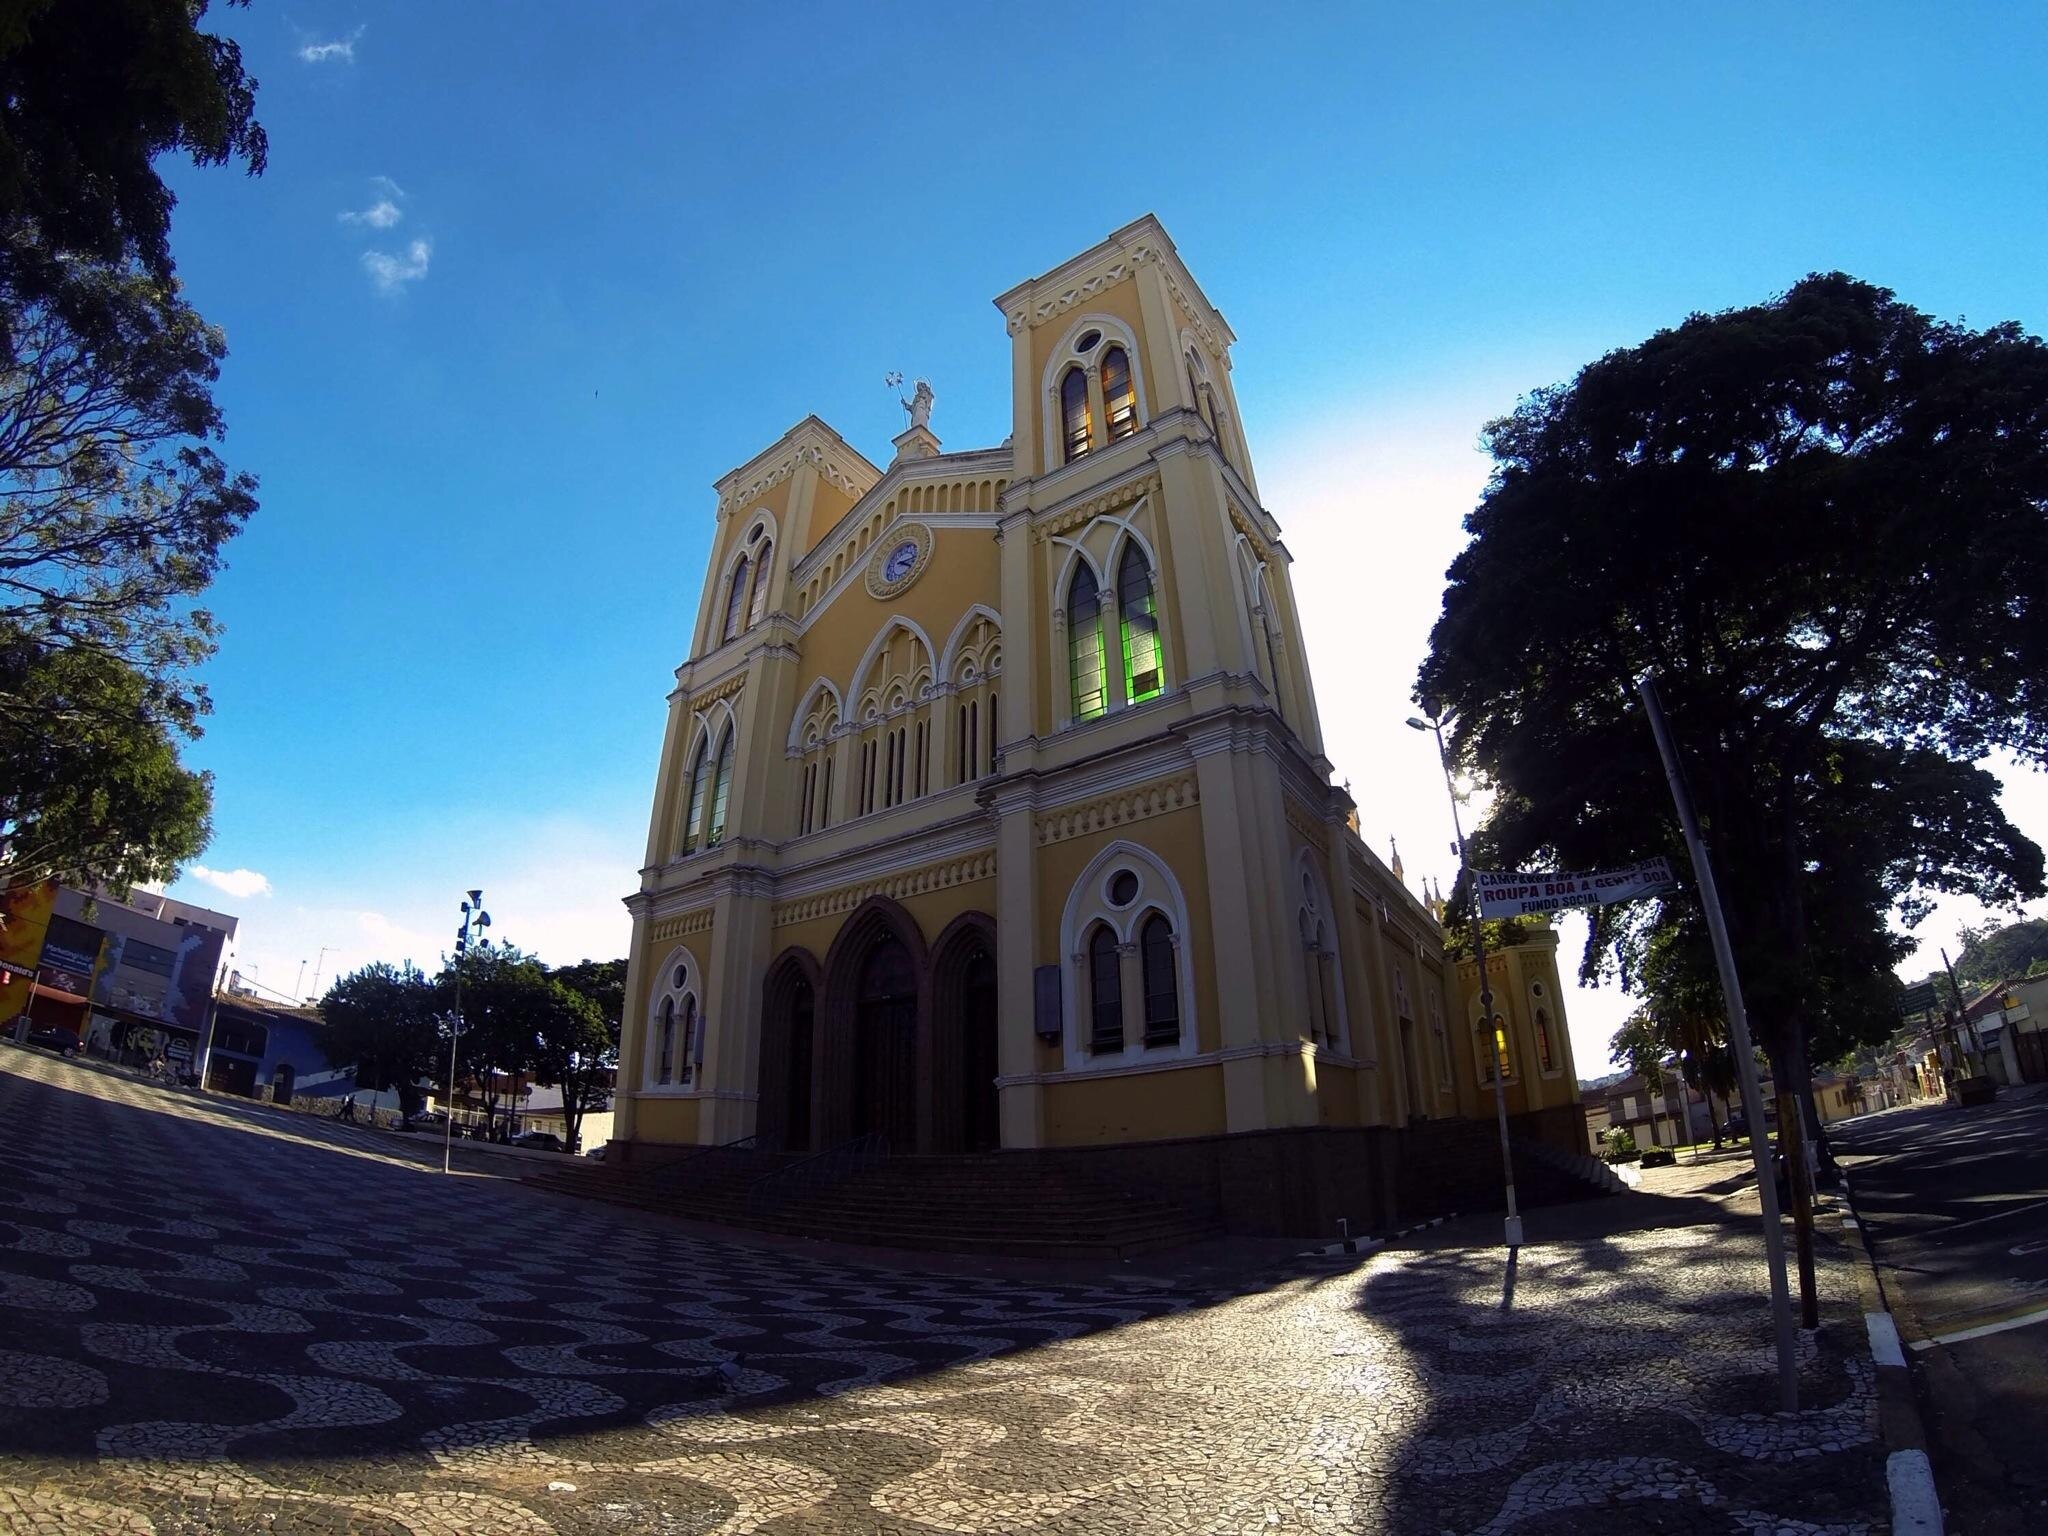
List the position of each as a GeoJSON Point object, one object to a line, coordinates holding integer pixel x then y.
{"type": "Point", "coordinates": [471, 934]}
{"type": "Point", "coordinates": [1432, 722]}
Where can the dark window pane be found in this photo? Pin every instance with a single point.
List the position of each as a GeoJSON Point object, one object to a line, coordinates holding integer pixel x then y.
{"type": "Point", "coordinates": [1162, 993]}
{"type": "Point", "coordinates": [1106, 994]}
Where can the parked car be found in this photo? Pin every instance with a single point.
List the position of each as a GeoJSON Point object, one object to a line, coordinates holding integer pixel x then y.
{"type": "Point", "coordinates": [545, 1141]}
{"type": "Point", "coordinates": [596, 1153]}
{"type": "Point", "coordinates": [426, 1120]}
{"type": "Point", "coordinates": [1738, 1122]}
{"type": "Point", "coordinates": [54, 1037]}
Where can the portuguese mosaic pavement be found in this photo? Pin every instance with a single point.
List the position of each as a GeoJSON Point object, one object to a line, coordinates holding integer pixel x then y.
{"type": "Point", "coordinates": [219, 1319]}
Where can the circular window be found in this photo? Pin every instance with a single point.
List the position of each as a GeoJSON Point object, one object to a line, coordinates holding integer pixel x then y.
{"type": "Point", "coordinates": [682, 974]}
{"type": "Point", "coordinates": [755, 536]}
{"type": "Point", "coordinates": [1123, 888]}
{"type": "Point", "coordinates": [1089, 341]}
{"type": "Point", "coordinates": [1535, 989]}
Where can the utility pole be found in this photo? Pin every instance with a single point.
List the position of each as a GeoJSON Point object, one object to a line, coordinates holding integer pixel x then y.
{"type": "Point", "coordinates": [1745, 1054]}
{"type": "Point", "coordinates": [321, 965]}
{"type": "Point", "coordinates": [1512, 1233]}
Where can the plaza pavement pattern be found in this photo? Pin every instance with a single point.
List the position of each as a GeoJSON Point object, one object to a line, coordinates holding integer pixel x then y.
{"type": "Point", "coordinates": [219, 1318]}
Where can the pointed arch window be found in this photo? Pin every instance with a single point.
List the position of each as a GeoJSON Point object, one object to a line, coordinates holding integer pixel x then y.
{"type": "Point", "coordinates": [1162, 992]}
{"type": "Point", "coordinates": [1498, 1056]}
{"type": "Point", "coordinates": [736, 599]}
{"type": "Point", "coordinates": [1119, 393]}
{"type": "Point", "coordinates": [1076, 430]}
{"type": "Point", "coordinates": [1105, 993]}
{"type": "Point", "coordinates": [1138, 613]}
{"type": "Point", "coordinates": [1546, 1057]}
{"type": "Point", "coordinates": [764, 563]}
{"type": "Point", "coordinates": [686, 1067]}
{"type": "Point", "coordinates": [700, 779]}
{"type": "Point", "coordinates": [721, 792]}
{"type": "Point", "coordinates": [666, 1072]}
{"type": "Point", "coordinates": [1085, 670]}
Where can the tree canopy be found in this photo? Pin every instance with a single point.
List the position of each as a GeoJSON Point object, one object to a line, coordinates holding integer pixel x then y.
{"type": "Point", "coordinates": [92, 93]}
{"type": "Point", "coordinates": [1992, 953]}
{"type": "Point", "coordinates": [385, 1021]}
{"type": "Point", "coordinates": [114, 504]}
{"type": "Point", "coordinates": [1823, 522]}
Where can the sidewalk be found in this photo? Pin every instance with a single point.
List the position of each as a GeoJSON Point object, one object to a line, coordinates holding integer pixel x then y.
{"type": "Point", "coordinates": [1637, 1366]}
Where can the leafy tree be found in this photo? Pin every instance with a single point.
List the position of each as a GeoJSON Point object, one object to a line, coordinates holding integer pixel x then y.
{"type": "Point", "coordinates": [114, 505]}
{"type": "Point", "coordinates": [1992, 953]}
{"type": "Point", "coordinates": [582, 1055]}
{"type": "Point", "coordinates": [386, 1021]}
{"type": "Point", "coordinates": [504, 1001]}
{"type": "Point", "coordinates": [90, 789]}
{"type": "Point", "coordinates": [1820, 521]}
{"type": "Point", "coordinates": [92, 93]}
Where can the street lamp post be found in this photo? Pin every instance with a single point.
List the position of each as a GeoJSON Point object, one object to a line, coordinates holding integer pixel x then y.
{"type": "Point", "coordinates": [474, 921]}
{"type": "Point", "coordinates": [1433, 722]}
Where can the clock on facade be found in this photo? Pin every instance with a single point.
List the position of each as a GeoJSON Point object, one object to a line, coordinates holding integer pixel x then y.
{"type": "Point", "coordinates": [900, 559]}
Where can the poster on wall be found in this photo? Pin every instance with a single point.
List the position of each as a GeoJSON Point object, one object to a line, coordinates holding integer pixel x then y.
{"type": "Point", "coordinates": [24, 922]}
{"type": "Point", "coordinates": [71, 953]}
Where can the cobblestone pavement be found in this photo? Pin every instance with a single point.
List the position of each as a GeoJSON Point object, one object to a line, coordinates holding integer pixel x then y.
{"type": "Point", "coordinates": [217, 1320]}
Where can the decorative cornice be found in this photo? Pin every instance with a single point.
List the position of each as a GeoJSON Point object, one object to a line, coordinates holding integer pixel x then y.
{"type": "Point", "coordinates": [1313, 830]}
{"type": "Point", "coordinates": [1117, 810]}
{"type": "Point", "coordinates": [681, 926]}
{"type": "Point", "coordinates": [1108, 501]}
{"type": "Point", "coordinates": [713, 694]}
{"type": "Point", "coordinates": [735, 494]}
{"type": "Point", "coordinates": [916, 882]}
{"type": "Point", "coordinates": [1035, 312]}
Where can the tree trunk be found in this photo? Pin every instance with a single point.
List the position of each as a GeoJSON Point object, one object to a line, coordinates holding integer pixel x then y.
{"type": "Point", "coordinates": [1791, 1079]}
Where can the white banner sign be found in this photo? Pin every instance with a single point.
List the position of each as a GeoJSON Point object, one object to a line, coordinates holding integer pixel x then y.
{"type": "Point", "coordinates": [1504, 893]}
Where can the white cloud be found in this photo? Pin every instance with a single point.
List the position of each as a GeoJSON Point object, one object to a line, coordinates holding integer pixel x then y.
{"type": "Point", "coordinates": [391, 273]}
{"type": "Point", "coordinates": [342, 48]}
{"type": "Point", "coordinates": [389, 187]}
{"type": "Point", "coordinates": [236, 882]}
{"type": "Point", "coordinates": [381, 214]}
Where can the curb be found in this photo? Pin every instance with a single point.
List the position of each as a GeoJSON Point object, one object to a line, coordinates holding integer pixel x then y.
{"type": "Point", "coordinates": [1369, 1244]}
{"type": "Point", "coordinates": [1908, 1475]}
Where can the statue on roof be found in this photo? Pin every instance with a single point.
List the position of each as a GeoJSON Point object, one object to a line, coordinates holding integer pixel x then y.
{"type": "Point", "coordinates": [919, 405]}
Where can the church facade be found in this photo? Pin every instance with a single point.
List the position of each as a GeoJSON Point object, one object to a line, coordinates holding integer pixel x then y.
{"type": "Point", "coordinates": [992, 810]}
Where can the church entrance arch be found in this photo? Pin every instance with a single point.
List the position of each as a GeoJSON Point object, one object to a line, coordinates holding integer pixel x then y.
{"type": "Point", "coordinates": [966, 1112]}
{"type": "Point", "coordinates": [876, 1045]}
{"type": "Point", "coordinates": [788, 1053]}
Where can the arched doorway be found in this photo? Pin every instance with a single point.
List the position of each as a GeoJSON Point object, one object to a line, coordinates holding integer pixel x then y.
{"type": "Point", "coordinates": [966, 1112]}
{"type": "Point", "coordinates": [789, 1003]}
{"type": "Point", "coordinates": [885, 1046]}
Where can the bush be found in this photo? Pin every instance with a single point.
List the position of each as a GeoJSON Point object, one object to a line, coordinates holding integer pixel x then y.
{"type": "Point", "coordinates": [1659, 1157]}
{"type": "Point", "coordinates": [1621, 1145]}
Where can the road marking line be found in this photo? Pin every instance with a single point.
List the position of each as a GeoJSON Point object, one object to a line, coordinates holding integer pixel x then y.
{"type": "Point", "coordinates": [1984, 1330]}
{"type": "Point", "coordinates": [1978, 1221]}
{"type": "Point", "coordinates": [2023, 1249]}
{"type": "Point", "coordinates": [1884, 1338]}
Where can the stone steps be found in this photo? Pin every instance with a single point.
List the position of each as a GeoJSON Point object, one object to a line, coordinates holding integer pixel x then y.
{"type": "Point", "coordinates": [975, 1203]}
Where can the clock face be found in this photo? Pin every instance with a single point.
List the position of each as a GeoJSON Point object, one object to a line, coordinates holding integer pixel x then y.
{"type": "Point", "coordinates": [900, 560]}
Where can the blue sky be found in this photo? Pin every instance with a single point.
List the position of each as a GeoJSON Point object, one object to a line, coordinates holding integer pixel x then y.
{"type": "Point", "coordinates": [524, 279]}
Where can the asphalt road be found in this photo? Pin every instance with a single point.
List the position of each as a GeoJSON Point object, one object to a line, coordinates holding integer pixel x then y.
{"type": "Point", "coordinates": [1955, 1204]}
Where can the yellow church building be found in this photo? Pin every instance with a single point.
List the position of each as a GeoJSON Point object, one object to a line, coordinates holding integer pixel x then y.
{"type": "Point", "coordinates": [992, 810]}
